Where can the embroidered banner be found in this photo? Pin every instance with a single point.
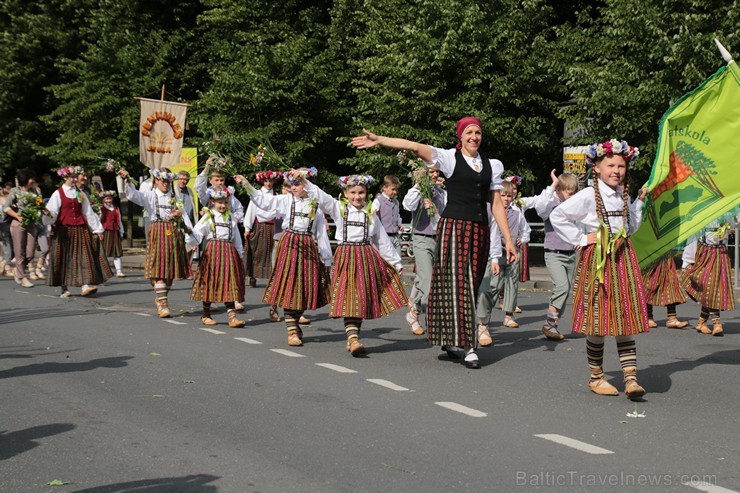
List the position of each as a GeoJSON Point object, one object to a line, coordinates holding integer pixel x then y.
{"type": "Point", "coordinates": [161, 131]}
{"type": "Point", "coordinates": [695, 177]}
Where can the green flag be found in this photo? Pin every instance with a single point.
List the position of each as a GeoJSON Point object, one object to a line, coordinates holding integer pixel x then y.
{"type": "Point", "coordinates": [696, 173]}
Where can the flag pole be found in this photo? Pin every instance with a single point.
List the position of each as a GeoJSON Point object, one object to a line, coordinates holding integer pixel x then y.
{"type": "Point", "coordinates": [723, 51]}
{"type": "Point", "coordinates": [163, 84]}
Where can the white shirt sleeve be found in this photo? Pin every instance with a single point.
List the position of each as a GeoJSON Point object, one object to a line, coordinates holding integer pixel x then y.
{"type": "Point", "coordinates": [53, 206]}
{"type": "Point", "coordinates": [250, 216]}
{"type": "Point", "coordinates": [384, 245]}
{"type": "Point", "coordinates": [322, 239]}
{"type": "Point", "coordinates": [566, 217]}
{"type": "Point", "coordinates": [495, 251]}
{"type": "Point", "coordinates": [236, 237]}
{"type": "Point", "coordinates": [545, 203]}
{"type": "Point", "coordinates": [93, 221]}
{"type": "Point", "coordinates": [327, 203]}
{"type": "Point", "coordinates": [376, 205]}
{"type": "Point", "coordinates": [412, 199]}
{"type": "Point", "coordinates": [635, 216]}
{"type": "Point", "coordinates": [120, 223]}
{"type": "Point", "coordinates": [689, 253]}
{"type": "Point", "coordinates": [201, 186]}
{"type": "Point", "coordinates": [526, 230]}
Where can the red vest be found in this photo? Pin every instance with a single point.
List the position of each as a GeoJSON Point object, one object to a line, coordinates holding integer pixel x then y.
{"type": "Point", "coordinates": [110, 219]}
{"type": "Point", "coordinates": [70, 213]}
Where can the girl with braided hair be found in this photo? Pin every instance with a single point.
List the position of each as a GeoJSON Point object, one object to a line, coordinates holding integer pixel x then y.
{"type": "Point", "coordinates": [608, 293]}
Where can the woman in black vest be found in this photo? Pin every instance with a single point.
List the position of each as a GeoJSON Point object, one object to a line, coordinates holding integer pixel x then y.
{"type": "Point", "coordinates": [462, 234]}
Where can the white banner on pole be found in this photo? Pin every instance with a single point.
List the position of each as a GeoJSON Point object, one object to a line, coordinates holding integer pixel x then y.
{"type": "Point", "coordinates": [161, 132]}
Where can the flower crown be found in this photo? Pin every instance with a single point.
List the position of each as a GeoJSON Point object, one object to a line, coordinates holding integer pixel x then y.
{"type": "Point", "coordinates": [107, 193]}
{"type": "Point", "coordinates": [70, 171]}
{"type": "Point", "coordinates": [611, 147]}
{"type": "Point", "coordinates": [354, 180]}
{"type": "Point", "coordinates": [298, 175]}
{"type": "Point", "coordinates": [516, 179]}
{"type": "Point", "coordinates": [163, 175]}
{"type": "Point", "coordinates": [214, 194]}
{"type": "Point", "coordinates": [268, 175]}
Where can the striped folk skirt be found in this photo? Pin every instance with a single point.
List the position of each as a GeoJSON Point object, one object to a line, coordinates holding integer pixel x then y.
{"type": "Point", "coordinates": [166, 255]}
{"type": "Point", "coordinates": [524, 263]}
{"type": "Point", "coordinates": [364, 285]}
{"type": "Point", "coordinates": [260, 244]}
{"type": "Point", "coordinates": [662, 286]}
{"type": "Point", "coordinates": [709, 280]}
{"type": "Point", "coordinates": [112, 244]}
{"type": "Point", "coordinates": [220, 274]}
{"type": "Point", "coordinates": [76, 258]}
{"type": "Point", "coordinates": [459, 267]}
{"type": "Point", "coordinates": [299, 280]}
{"type": "Point", "coordinates": [616, 307]}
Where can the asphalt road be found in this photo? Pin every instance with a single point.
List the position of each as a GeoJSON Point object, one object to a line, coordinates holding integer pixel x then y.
{"type": "Point", "coordinates": [99, 394]}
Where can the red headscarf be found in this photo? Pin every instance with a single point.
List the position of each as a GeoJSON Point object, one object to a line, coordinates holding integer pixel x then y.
{"type": "Point", "coordinates": [465, 123]}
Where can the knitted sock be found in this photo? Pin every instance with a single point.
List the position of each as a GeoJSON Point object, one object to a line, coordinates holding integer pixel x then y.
{"type": "Point", "coordinates": [595, 354]}
{"type": "Point", "coordinates": [552, 321]}
{"type": "Point", "coordinates": [714, 315]}
{"type": "Point", "coordinates": [671, 310]}
{"type": "Point", "coordinates": [627, 349]}
{"type": "Point", "coordinates": [650, 311]}
{"type": "Point", "coordinates": [160, 291]}
{"type": "Point", "coordinates": [704, 313]}
{"type": "Point", "coordinates": [352, 328]}
{"type": "Point", "coordinates": [206, 309]}
{"type": "Point", "coordinates": [117, 263]}
{"type": "Point", "coordinates": [291, 320]}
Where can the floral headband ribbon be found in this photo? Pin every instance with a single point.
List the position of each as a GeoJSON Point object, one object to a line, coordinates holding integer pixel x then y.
{"type": "Point", "coordinates": [298, 175]}
{"type": "Point", "coordinates": [516, 179]}
{"type": "Point", "coordinates": [107, 193]}
{"type": "Point", "coordinates": [612, 147]}
{"type": "Point", "coordinates": [268, 175]}
{"type": "Point", "coordinates": [163, 175]}
{"type": "Point", "coordinates": [354, 180]}
{"type": "Point", "coordinates": [70, 171]}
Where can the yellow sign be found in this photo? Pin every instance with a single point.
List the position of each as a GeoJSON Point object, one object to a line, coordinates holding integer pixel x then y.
{"type": "Point", "coordinates": [189, 162]}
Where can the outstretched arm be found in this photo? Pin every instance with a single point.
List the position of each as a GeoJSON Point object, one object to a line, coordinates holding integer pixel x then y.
{"type": "Point", "coordinates": [370, 139]}
{"type": "Point", "coordinates": [499, 214]}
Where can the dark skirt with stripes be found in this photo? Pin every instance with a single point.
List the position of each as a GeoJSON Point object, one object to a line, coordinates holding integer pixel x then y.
{"type": "Point", "coordinates": [76, 258]}
{"type": "Point", "coordinates": [220, 274]}
{"type": "Point", "coordinates": [662, 285]}
{"type": "Point", "coordinates": [709, 280]}
{"type": "Point", "coordinates": [261, 243]}
{"type": "Point", "coordinates": [166, 255]}
{"type": "Point", "coordinates": [524, 263]}
{"type": "Point", "coordinates": [364, 285]}
{"type": "Point", "coordinates": [299, 280]}
{"type": "Point", "coordinates": [112, 244]}
{"type": "Point", "coordinates": [459, 267]}
{"type": "Point", "coordinates": [616, 307]}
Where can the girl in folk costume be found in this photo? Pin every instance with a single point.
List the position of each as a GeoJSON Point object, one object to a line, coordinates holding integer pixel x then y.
{"type": "Point", "coordinates": [425, 218]}
{"type": "Point", "coordinates": [259, 229]}
{"type": "Point", "coordinates": [166, 256]}
{"type": "Point", "coordinates": [560, 255]}
{"type": "Point", "coordinates": [708, 280]}
{"type": "Point", "coordinates": [23, 228]}
{"type": "Point", "coordinates": [365, 275]}
{"type": "Point", "coordinates": [220, 274]}
{"type": "Point", "coordinates": [608, 293]}
{"type": "Point", "coordinates": [663, 288]}
{"type": "Point", "coordinates": [110, 218]}
{"type": "Point", "coordinates": [462, 234]}
{"type": "Point", "coordinates": [75, 258]}
{"type": "Point", "coordinates": [299, 280]}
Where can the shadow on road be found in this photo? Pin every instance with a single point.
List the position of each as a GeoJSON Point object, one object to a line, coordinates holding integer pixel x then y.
{"type": "Point", "coordinates": [197, 483]}
{"type": "Point", "coordinates": [46, 368]}
{"type": "Point", "coordinates": [17, 316]}
{"type": "Point", "coordinates": [17, 442]}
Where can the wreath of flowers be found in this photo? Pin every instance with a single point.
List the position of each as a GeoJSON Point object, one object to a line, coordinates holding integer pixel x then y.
{"type": "Point", "coordinates": [612, 147]}
{"type": "Point", "coordinates": [163, 175]}
{"type": "Point", "coordinates": [70, 171]}
{"type": "Point", "coordinates": [107, 193]}
{"type": "Point", "coordinates": [345, 182]}
{"type": "Point", "coordinates": [268, 175]}
{"type": "Point", "coordinates": [224, 193]}
{"type": "Point", "coordinates": [298, 175]}
{"type": "Point", "coordinates": [515, 179]}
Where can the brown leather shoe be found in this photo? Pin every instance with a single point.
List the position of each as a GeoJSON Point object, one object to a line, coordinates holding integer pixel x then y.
{"type": "Point", "coordinates": [717, 329]}
{"type": "Point", "coordinates": [552, 333]}
{"type": "Point", "coordinates": [674, 323]}
{"type": "Point", "coordinates": [274, 315]}
{"type": "Point", "coordinates": [602, 387]}
{"type": "Point", "coordinates": [633, 390]}
{"type": "Point", "coordinates": [484, 337]}
{"type": "Point", "coordinates": [234, 322]}
{"type": "Point", "coordinates": [303, 320]}
{"type": "Point", "coordinates": [413, 320]}
{"type": "Point", "coordinates": [89, 290]}
{"type": "Point", "coordinates": [701, 326]}
{"type": "Point", "coordinates": [355, 347]}
{"type": "Point", "coordinates": [293, 339]}
{"type": "Point", "coordinates": [510, 322]}
{"type": "Point", "coordinates": [207, 320]}
{"type": "Point", "coordinates": [651, 323]}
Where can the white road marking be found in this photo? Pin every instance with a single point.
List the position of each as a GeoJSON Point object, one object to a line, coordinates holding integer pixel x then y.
{"type": "Point", "coordinates": [143, 314]}
{"type": "Point", "coordinates": [24, 292]}
{"type": "Point", "coordinates": [175, 322]}
{"type": "Point", "coordinates": [49, 296]}
{"type": "Point", "coordinates": [212, 331]}
{"type": "Point", "coordinates": [285, 352]}
{"type": "Point", "coordinates": [453, 406]}
{"type": "Point", "coordinates": [576, 444]}
{"type": "Point", "coordinates": [709, 488]}
{"type": "Point", "coordinates": [247, 340]}
{"type": "Point", "coordinates": [106, 308]}
{"type": "Point", "coordinates": [337, 368]}
{"type": "Point", "coordinates": [387, 384]}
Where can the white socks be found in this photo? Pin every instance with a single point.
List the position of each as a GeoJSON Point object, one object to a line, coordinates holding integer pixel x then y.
{"type": "Point", "coordinates": [117, 264]}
